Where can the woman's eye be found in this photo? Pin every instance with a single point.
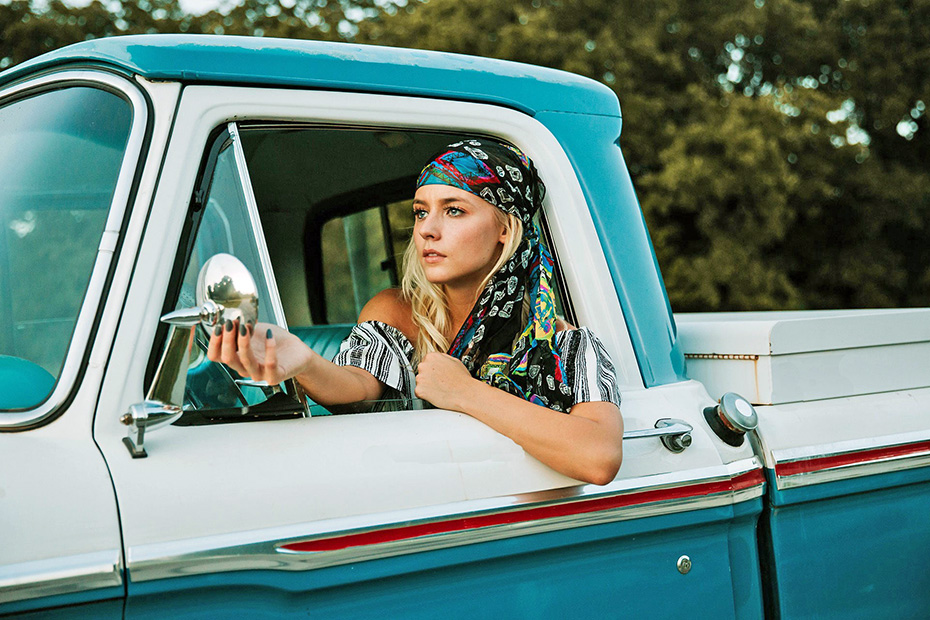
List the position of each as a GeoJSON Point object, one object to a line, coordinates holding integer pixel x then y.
{"type": "Point", "coordinates": [419, 214]}
{"type": "Point", "coordinates": [454, 211]}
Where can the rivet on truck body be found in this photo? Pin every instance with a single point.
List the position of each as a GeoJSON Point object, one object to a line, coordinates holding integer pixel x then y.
{"type": "Point", "coordinates": [684, 565]}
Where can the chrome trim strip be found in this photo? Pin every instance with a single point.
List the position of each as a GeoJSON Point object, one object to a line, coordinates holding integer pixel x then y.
{"type": "Point", "coordinates": [789, 455]}
{"type": "Point", "coordinates": [871, 467]}
{"type": "Point", "coordinates": [865, 466]}
{"type": "Point", "coordinates": [56, 576]}
{"type": "Point", "coordinates": [277, 308]}
{"type": "Point", "coordinates": [261, 549]}
{"type": "Point", "coordinates": [743, 466]}
{"type": "Point", "coordinates": [84, 324]}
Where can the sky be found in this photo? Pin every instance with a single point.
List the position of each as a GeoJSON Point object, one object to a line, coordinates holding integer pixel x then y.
{"type": "Point", "coordinates": [198, 7]}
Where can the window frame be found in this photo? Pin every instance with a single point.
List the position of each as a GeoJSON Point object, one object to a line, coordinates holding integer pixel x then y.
{"type": "Point", "coordinates": [89, 314]}
{"type": "Point", "coordinates": [342, 205]}
{"type": "Point", "coordinates": [204, 109]}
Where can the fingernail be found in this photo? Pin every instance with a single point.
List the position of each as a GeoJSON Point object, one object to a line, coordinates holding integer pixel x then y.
{"type": "Point", "coordinates": [228, 325]}
{"type": "Point", "coordinates": [218, 330]}
{"type": "Point", "coordinates": [268, 334]}
{"type": "Point", "coordinates": [242, 330]}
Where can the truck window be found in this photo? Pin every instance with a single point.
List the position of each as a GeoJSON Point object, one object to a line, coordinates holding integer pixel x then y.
{"type": "Point", "coordinates": [59, 167]}
{"type": "Point", "coordinates": [335, 215]}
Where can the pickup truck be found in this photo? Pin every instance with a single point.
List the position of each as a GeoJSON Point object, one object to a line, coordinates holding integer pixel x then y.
{"type": "Point", "coordinates": [776, 464]}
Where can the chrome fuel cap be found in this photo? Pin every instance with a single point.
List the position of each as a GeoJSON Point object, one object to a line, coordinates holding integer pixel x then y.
{"type": "Point", "coordinates": [737, 413]}
{"type": "Point", "coordinates": [732, 418]}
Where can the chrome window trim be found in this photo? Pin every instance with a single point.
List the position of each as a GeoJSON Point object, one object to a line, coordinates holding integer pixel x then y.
{"type": "Point", "coordinates": [866, 466]}
{"type": "Point", "coordinates": [277, 308]}
{"type": "Point", "coordinates": [14, 420]}
{"type": "Point", "coordinates": [261, 549]}
{"type": "Point", "coordinates": [57, 576]}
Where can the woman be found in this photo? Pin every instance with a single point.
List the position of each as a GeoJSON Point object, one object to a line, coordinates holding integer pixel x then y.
{"type": "Point", "coordinates": [475, 317]}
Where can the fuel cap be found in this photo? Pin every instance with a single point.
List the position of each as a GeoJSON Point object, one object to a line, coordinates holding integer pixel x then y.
{"type": "Point", "coordinates": [732, 418]}
{"type": "Point", "coordinates": [737, 412]}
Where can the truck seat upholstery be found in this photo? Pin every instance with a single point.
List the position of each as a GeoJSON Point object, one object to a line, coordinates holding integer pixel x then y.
{"type": "Point", "coordinates": [324, 339]}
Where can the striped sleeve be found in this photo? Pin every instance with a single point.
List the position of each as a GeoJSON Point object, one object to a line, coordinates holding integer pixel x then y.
{"type": "Point", "coordinates": [382, 350]}
{"type": "Point", "coordinates": [588, 369]}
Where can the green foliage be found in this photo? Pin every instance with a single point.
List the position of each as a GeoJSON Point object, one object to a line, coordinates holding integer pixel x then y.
{"type": "Point", "coordinates": [762, 136]}
{"type": "Point", "coordinates": [779, 148]}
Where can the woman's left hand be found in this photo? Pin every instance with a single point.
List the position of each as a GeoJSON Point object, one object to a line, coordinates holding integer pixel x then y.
{"type": "Point", "coordinates": [443, 381]}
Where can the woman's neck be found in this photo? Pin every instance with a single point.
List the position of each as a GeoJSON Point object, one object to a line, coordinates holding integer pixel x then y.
{"type": "Point", "coordinates": [461, 301]}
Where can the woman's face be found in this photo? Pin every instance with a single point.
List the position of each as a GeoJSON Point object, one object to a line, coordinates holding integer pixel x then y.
{"type": "Point", "coordinates": [458, 235]}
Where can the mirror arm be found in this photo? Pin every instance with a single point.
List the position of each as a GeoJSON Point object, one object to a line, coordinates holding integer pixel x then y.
{"type": "Point", "coordinates": [164, 402]}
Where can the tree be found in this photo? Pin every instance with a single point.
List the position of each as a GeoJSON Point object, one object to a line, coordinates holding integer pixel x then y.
{"type": "Point", "coordinates": [779, 148]}
{"type": "Point", "coordinates": [764, 180]}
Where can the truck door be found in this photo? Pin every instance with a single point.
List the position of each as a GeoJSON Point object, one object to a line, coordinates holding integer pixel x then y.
{"type": "Point", "coordinates": [245, 506]}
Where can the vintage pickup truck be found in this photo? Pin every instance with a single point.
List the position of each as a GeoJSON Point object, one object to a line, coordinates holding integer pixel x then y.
{"type": "Point", "coordinates": [138, 479]}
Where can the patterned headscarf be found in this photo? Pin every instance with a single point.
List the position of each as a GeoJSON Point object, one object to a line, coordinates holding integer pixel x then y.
{"type": "Point", "coordinates": [493, 343]}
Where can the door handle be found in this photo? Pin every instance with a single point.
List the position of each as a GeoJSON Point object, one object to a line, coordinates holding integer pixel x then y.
{"type": "Point", "coordinates": [674, 434]}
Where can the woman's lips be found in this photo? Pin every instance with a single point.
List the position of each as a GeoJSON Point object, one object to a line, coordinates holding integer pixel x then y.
{"type": "Point", "coordinates": [432, 256]}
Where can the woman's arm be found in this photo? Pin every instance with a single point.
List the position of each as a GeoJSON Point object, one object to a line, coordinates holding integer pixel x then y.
{"type": "Point", "coordinates": [272, 354]}
{"type": "Point", "coordinates": [586, 444]}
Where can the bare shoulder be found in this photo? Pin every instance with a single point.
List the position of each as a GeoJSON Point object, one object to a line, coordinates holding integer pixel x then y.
{"type": "Point", "coordinates": [389, 306]}
{"type": "Point", "coordinates": [561, 326]}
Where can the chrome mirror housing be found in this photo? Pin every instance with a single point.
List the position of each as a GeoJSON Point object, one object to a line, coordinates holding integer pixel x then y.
{"type": "Point", "coordinates": [226, 291]}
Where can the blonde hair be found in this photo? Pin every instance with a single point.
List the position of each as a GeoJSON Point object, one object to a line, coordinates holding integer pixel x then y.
{"type": "Point", "coordinates": [428, 302]}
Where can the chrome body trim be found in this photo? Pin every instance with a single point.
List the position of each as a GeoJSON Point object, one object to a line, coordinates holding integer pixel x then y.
{"type": "Point", "coordinates": [277, 309]}
{"type": "Point", "coordinates": [800, 467]}
{"type": "Point", "coordinates": [56, 576]}
{"type": "Point", "coordinates": [12, 420]}
{"type": "Point", "coordinates": [517, 515]}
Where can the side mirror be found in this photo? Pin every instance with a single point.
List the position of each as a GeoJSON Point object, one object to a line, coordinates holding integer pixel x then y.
{"type": "Point", "coordinates": [225, 291]}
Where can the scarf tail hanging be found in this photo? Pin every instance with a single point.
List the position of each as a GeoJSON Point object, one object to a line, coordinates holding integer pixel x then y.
{"type": "Point", "coordinates": [493, 343]}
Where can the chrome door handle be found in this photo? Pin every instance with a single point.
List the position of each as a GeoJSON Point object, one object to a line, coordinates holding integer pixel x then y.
{"type": "Point", "coordinates": [674, 434]}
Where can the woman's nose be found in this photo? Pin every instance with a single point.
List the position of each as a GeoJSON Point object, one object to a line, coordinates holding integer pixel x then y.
{"type": "Point", "coordinates": [428, 227]}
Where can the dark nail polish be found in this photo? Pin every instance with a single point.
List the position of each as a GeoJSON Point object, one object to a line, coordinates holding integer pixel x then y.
{"type": "Point", "coordinates": [218, 330]}
{"type": "Point", "coordinates": [269, 335]}
{"type": "Point", "coordinates": [242, 330]}
{"type": "Point", "coordinates": [229, 326]}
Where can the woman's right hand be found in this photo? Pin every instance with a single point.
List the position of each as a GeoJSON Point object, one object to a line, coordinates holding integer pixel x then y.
{"type": "Point", "coordinates": [262, 352]}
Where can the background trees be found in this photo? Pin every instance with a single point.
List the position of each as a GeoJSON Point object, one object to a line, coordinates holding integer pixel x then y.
{"type": "Point", "coordinates": [780, 149]}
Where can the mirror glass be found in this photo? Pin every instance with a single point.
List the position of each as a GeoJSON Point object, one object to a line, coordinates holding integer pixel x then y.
{"type": "Point", "coordinates": [226, 282]}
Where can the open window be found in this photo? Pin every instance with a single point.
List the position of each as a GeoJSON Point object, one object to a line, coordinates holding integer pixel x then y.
{"type": "Point", "coordinates": [321, 216]}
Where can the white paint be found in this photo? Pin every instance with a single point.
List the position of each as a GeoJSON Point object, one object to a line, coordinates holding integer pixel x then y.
{"type": "Point", "coordinates": [58, 515]}
{"type": "Point", "coordinates": [808, 430]}
{"type": "Point", "coordinates": [799, 356]}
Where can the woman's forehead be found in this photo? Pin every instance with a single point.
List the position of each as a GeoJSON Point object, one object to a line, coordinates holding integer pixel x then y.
{"type": "Point", "coordinates": [440, 194]}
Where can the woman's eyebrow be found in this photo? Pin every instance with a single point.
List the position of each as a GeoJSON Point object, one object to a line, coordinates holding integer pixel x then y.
{"type": "Point", "coordinates": [441, 201]}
